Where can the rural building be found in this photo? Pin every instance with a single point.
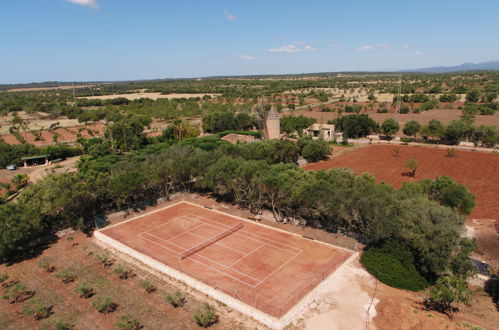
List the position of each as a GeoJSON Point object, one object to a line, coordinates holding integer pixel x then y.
{"type": "Point", "coordinates": [234, 138]}
{"type": "Point", "coordinates": [272, 125]}
{"type": "Point", "coordinates": [35, 160]}
{"type": "Point", "coordinates": [324, 131]}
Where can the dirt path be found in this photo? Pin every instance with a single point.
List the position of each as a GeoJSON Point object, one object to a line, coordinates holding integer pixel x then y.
{"type": "Point", "coordinates": [345, 304]}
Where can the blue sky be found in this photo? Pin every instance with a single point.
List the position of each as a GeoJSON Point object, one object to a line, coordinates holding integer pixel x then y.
{"type": "Point", "coordinates": [89, 40]}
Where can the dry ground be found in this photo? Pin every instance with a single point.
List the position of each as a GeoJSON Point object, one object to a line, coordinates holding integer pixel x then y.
{"type": "Point", "coordinates": [443, 115]}
{"type": "Point", "coordinates": [341, 308]}
{"type": "Point", "coordinates": [153, 96]}
{"type": "Point", "coordinates": [478, 171]}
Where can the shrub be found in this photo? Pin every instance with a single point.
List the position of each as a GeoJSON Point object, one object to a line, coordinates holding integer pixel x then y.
{"type": "Point", "coordinates": [104, 259]}
{"type": "Point", "coordinates": [37, 309]}
{"type": "Point", "coordinates": [16, 292]}
{"type": "Point", "coordinates": [176, 299]}
{"type": "Point", "coordinates": [393, 265]}
{"type": "Point", "coordinates": [205, 316]}
{"type": "Point", "coordinates": [104, 305]}
{"type": "Point", "coordinates": [84, 290]}
{"type": "Point", "coordinates": [148, 286]}
{"type": "Point", "coordinates": [45, 265]}
{"type": "Point", "coordinates": [128, 322]}
{"type": "Point", "coordinates": [405, 139]}
{"type": "Point", "coordinates": [404, 109]}
{"type": "Point", "coordinates": [60, 325]}
{"type": "Point", "coordinates": [3, 277]}
{"type": "Point", "coordinates": [123, 272]}
{"type": "Point", "coordinates": [451, 152]}
{"type": "Point", "coordinates": [66, 276]}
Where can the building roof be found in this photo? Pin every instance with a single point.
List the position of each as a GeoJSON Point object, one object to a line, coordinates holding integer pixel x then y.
{"type": "Point", "coordinates": [35, 157]}
{"type": "Point", "coordinates": [234, 138]}
{"type": "Point", "coordinates": [316, 127]}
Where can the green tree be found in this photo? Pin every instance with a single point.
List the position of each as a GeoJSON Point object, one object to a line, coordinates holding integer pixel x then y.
{"type": "Point", "coordinates": [355, 126]}
{"type": "Point", "coordinates": [447, 291]}
{"type": "Point", "coordinates": [473, 95]}
{"type": "Point", "coordinates": [412, 128]}
{"type": "Point", "coordinates": [128, 133]}
{"type": "Point", "coordinates": [412, 165]}
{"type": "Point", "coordinates": [315, 150]}
{"type": "Point", "coordinates": [389, 127]}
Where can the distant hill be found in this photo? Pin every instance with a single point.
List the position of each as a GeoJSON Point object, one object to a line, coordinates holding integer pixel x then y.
{"type": "Point", "coordinates": [489, 65]}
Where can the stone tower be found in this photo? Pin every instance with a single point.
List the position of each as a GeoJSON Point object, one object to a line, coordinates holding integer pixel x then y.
{"type": "Point", "coordinates": [272, 125]}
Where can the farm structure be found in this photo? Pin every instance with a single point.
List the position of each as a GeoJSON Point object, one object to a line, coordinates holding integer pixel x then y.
{"type": "Point", "coordinates": [268, 274]}
{"type": "Point", "coordinates": [476, 170]}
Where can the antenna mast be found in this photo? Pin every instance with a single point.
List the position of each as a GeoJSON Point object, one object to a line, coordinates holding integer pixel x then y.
{"type": "Point", "coordinates": [398, 98]}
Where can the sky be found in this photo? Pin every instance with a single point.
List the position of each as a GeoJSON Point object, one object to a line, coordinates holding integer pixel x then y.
{"type": "Point", "coordinates": [108, 40]}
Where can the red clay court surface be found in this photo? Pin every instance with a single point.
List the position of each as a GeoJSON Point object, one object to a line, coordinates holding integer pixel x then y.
{"type": "Point", "coordinates": [478, 171]}
{"type": "Point", "coordinates": [265, 268]}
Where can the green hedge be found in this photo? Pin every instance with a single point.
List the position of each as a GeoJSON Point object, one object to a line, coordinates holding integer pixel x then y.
{"type": "Point", "coordinates": [391, 269]}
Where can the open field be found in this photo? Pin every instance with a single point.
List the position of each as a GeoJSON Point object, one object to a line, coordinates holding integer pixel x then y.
{"type": "Point", "coordinates": [153, 96]}
{"type": "Point", "coordinates": [34, 89]}
{"type": "Point", "coordinates": [478, 171]}
{"type": "Point", "coordinates": [36, 121]}
{"type": "Point", "coordinates": [65, 134]}
{"type": "Point", "coordinates": [79, 256]}
{"type": "Point", "coordinates": [266, 269]}
{"type": "Point", "coordinates": [443, 115]}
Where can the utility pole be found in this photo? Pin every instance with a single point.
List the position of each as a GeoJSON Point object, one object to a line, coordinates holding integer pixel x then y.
{"type": "Point", "coordinates": [398, 98]}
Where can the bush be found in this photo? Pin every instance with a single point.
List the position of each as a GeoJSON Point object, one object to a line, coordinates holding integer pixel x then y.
{"type": "Point", "coordinates": [66, 276]}
{"type": "Point", "coordinates": [205, 316]}
{"type": "Point", "coordinates": [45, 265]}
{"type": "Point", "coordinates": [148, 286]}
{"type": "Point", "coordinates": [128, 322]}
{"type": "Point", "coordinates": [37, 309]}
{"type": "Point", "coordinates": [60, 325]}
{"type": "Point", "coordinates": [3, 277]}
{"type": "Point", "coordinates": [104, 305]}
{"type": "Point", "coordinates": [84, 290]}
{"type": "Point", "coordinates": [176, 299]}
{"type": "Point", "coordinates": [394, 268]}
{"type": "Point", "coordinates": [406, 139]}
{"type": "Point", "coordinates": [123, 272]}
{"type": "Point", "coordinates": [16, 292]}
{"type": "Point", "coordinates": [451, 152]}
{"type": "Point", "coordinates": [404, 109]}
{"type": "Point", "coordinates": [314, 151]}
{"type": "Point", "coordinates": [104, 259]}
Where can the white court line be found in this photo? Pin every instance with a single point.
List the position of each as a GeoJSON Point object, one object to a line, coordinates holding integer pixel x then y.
{"type": "Point", "coordinates": [199, 219]}
{"type": "Point", "coordinates": [207, 266]}
{"type": "Point", "coordinates": [254, 250]}
{"type": "Point", "coordinates": [221, 244]}
{"type": "Point", "coordinates": [284, 264]}
{"type": "Point", "coordinates": [167, 223]}
{"type": "Point", "coordinates": [265, 238]}
{"type": "Point", "coordinates": [209, 259]}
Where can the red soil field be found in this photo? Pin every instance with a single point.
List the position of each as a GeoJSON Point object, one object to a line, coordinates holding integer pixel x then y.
{"type": "Point", "coordinates": [268, 269]}
{"type": "Point", "coordinates": [478, 171]}
{"type": "Point", "coordinates": [66, 134]}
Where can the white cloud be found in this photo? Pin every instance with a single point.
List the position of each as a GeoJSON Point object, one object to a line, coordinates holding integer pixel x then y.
{"type": "Point", "coordinates": [229, 16]}
{"type": "Point", "coordinates": [246, 57]}
{"type": "Point", "coordinates": [299, 43]}
{"type": "Point", "coordinates": [384, 45]}
{"type": "Point", "coordinates": [365, 48]}
{"type": "Point", "coordinates": [418, 52]}
{"type": "Point", "coordinates": [286, 49]}
{"type": "Point", "coordinates": [336, 45]}
{"type": "Point", "coordinates": [406, 46]}
{"type": "Point", "coordinates": [291, 49]}
{"type": "Point", "coordinates": [89, 3]}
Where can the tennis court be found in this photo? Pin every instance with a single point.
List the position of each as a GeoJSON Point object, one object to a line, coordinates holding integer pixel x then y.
{"type": "Point", "coordinates": [265, 268]}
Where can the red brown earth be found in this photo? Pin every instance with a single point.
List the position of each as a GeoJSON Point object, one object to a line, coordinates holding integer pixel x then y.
{"type": "Point", "coordinates": [478, 171]}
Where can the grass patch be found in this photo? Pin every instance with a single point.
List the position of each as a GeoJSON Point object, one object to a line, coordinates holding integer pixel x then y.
{"type": "Point", "coordinates": [148, 286]}
{"type": "Point", "coordinates": [104, 305]}
{"type": "Point", "coordinates": [84, 290]}
{"type": "Point", "coordinates": [205, 316]}
{"type": "Point", "coordinates": [37, 309]}
{"type": "Point", "coordinates": [66, 276]}
{"type": "Point", "coordinates": [176, 300]}
{"type": "Point", "coordinates": [128, 322]}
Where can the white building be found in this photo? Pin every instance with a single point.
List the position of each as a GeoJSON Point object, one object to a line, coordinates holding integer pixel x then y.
{"type": "Point", "coordinates": [323, 131]}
